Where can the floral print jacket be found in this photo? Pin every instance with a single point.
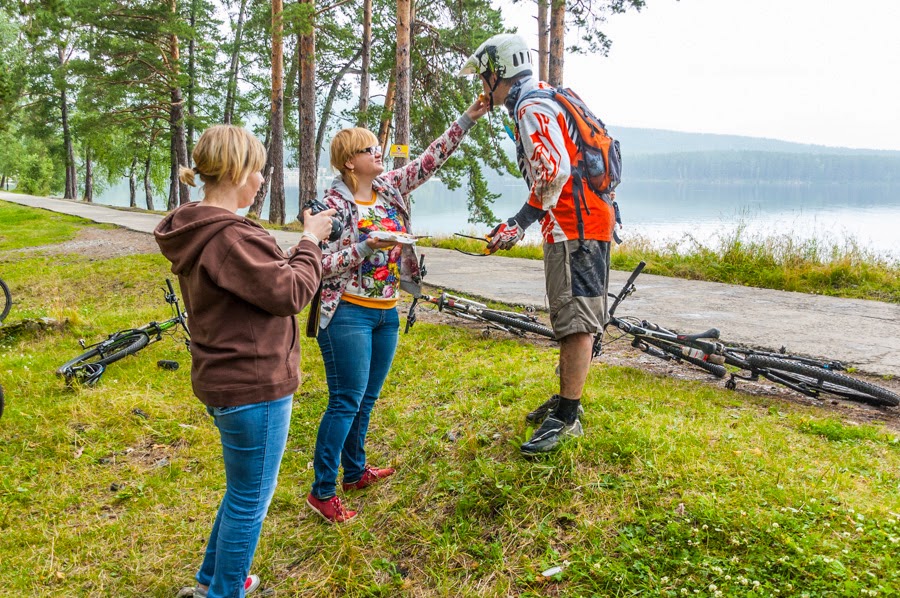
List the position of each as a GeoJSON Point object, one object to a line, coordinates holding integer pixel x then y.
{"type": "Point", "coordinates": [342, 257]}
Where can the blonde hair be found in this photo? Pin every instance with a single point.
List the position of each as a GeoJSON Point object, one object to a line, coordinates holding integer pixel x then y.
{"type": "Point", "coordinates": [346, 144]}
{"type": "Point", "coordinates": [224, 152]}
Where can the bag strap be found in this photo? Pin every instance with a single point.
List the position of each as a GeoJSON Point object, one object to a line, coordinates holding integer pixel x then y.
{"type": "Point", "coordinates": [312, 322]}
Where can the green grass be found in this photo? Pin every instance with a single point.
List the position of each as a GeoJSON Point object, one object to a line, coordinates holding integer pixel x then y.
{"type": "Point", "coordinates": [677, 488]}
{"type": "Point", "coordinates": [839, 268]}
{"type": "Point", "coordinates": [26, 227]}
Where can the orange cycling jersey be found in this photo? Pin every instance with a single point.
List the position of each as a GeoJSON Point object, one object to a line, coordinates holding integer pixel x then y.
{"type": "Point", "coordinates": [546, 149]}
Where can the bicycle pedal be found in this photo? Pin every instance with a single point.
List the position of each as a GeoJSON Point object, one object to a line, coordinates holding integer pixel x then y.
{"type": "Point", "coordinates": [167, 364]}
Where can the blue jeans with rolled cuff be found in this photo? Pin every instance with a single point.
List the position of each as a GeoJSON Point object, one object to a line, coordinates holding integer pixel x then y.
{"type": "Point", "coordinates": [358, 347]}
{"type": "Point", "coordinates": [253, 441]}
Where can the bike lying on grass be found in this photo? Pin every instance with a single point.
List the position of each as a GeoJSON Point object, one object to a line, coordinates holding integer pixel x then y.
{"type": "Point", "coordinates": [88, 367]}
{"type": "Point", "coordinates": [508, 321]}
{"type": "Point", "coordinates": [4, 311]}
{"type": "Point", "coordinates": [6, 299]}
{"type": "Point", "coordinates": [808, 376]}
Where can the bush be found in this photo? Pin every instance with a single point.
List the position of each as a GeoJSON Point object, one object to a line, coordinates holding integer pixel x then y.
{"type": "Point", "coordinates": [37, 175]}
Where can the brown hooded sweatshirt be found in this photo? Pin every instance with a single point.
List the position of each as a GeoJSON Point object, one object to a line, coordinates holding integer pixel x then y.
{"type": "Point", "coordinates": [241, 294]}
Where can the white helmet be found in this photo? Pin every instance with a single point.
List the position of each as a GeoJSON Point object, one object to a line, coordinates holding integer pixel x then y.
{"type": "Point", "coordinates": [505, 54]}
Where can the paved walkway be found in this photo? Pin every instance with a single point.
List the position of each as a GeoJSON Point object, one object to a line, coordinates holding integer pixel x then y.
{"type": "Point", "coordinates": [863, 333]}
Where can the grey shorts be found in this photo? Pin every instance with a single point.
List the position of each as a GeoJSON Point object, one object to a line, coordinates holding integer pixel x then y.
{"type": "Point", "coordinates": [577, 277]}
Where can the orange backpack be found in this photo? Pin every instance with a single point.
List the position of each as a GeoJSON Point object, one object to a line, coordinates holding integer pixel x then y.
{"type": "Point", "coordinates": [601, 160]}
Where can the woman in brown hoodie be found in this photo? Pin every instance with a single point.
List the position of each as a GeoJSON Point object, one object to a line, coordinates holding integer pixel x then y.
{"type": "Point", "coordinates": [242, 294]}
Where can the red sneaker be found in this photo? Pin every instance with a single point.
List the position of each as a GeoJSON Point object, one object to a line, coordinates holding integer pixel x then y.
{"type": "Point", "coordinates": [330, 509]}
{"type": "Point", "coordinates": [370, 476]}
{"type": "Point", "coordinates": [251, 584]}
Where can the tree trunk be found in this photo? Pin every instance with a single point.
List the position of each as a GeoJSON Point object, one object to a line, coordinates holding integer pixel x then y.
{"type": "Point", "coordinates": [180, 193]}
{"type": "Point", "coordinates": [173, 176]}
{"type": "Point", "coordinates": [132, 183]}
{"type": "Point", "coordinates": [543, 39]}
{"type": "Point", "coordinates": [329, 102]}
{"type": "Point", "coordinates": [366, 56]}
{"type": "Point", "coordinates": [292, 80]}
{"type": "Point", "coordinates": [258, 201]}
{"type": "Point", "coordinates": [557, 43]}
{"type": "Point", "coordinates": [276, 149]}
{"type": "Point", "coordinates": [88, 176]}
{"type": "Point", "coordinates": [192, 78]}
{"type": "Point", "coordinates": [178, 190]}
{"type": "Point", "coordinates": [401, 111]}
{"type": "Point", "coordinates": [231, 86]}
{"type": "Point", "coordinates": [384, 130]}
{"type": "Point", "coordinates": [71, 190]}
{"type": "Point", "coordinates": [148, 190]}
{"type": "Point", "coordinates": [307, 118]}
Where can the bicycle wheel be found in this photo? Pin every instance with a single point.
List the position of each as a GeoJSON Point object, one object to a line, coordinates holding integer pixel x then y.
{"type": "Point", "coordinates": [677, 352]}
{"type": "Point", "coordinates": [812, 381]}
{"type": "Point", "coordinates": [113, 349]}
{"type": "Point", "coordinates": [523, 324]}
{"type": "Point", "coordinates": [7, 301]}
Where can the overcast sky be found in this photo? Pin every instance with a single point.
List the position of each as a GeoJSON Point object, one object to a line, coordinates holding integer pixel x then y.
{"type": "Point", "coordinates": [812, 71]}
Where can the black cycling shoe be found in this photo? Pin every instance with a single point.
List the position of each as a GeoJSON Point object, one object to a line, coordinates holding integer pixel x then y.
{"type": "Point", "coordinates": [547, 437]}
{"type": "Point", "coordinates": [540, 414]}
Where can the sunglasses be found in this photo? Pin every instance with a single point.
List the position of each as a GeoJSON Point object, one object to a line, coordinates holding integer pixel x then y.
{"type": "Point", "coordinates": [374, 150]}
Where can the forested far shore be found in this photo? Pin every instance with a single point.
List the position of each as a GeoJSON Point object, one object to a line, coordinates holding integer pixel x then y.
{"type": "Point", "coordinates": [764, 167]}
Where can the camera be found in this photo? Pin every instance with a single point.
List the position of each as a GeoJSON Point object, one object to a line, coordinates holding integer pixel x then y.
{"type": "Point", "coordinates": [315, 206]}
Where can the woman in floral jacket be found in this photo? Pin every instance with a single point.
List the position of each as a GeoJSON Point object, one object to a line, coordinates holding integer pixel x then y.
{"type": "Point", "coordinates": [361, 275]}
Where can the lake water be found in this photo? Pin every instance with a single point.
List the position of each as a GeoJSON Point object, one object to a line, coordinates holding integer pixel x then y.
{"type": "Point", "coordinates": [664, 212]}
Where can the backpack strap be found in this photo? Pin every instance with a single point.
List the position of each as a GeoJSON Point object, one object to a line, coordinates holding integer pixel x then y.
{"type": "Point", "coordinates": [578, 181]}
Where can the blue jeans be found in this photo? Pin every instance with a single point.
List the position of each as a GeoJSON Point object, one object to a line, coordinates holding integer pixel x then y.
{"type": "Point", "coordinates": [253, 441]}
{"type": "Point", "coordinates": [358, 347]}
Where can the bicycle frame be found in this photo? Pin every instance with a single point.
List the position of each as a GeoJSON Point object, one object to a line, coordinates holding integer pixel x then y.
{"type": "Point", "coordinates": [508, 321]}
{"type": "Point", "coordinates": [699, 349]}
{"type": "Point", "coordinates": [90, 366]}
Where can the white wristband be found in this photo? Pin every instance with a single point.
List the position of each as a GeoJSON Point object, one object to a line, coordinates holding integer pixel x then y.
{"type": "Point", "coordinates": [311, 237]}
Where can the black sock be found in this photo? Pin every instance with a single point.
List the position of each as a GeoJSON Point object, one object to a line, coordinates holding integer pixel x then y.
{"type": "Point", "coordinates": [567, 410]}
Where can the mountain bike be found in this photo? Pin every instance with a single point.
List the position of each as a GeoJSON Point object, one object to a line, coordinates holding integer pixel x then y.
{"type": "Point", "coordinates": [88, 367]}
{"type": "Point", "coordinates": [807, 375]}
{"type": "Point", "coordinates": [7, 301]}
{"type": "Point", "coordinates": [509, 321]}
{"type": "Point", "coordinates": [698, 349]}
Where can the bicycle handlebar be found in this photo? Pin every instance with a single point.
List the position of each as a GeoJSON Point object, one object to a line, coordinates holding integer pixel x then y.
{"type": "Point", "coordinates": [627, 289]}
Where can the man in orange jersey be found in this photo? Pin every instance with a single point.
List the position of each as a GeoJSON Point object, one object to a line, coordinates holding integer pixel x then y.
{"type": "Point", "coordinates": [576, 224]}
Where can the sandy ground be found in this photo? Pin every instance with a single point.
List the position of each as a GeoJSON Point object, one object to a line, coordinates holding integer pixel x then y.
{"type": "Point", "coordinates": [107, 243]}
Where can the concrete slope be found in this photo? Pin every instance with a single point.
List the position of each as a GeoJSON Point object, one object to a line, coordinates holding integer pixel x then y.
{"type": "Point", "coordinates": [865, 334]}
